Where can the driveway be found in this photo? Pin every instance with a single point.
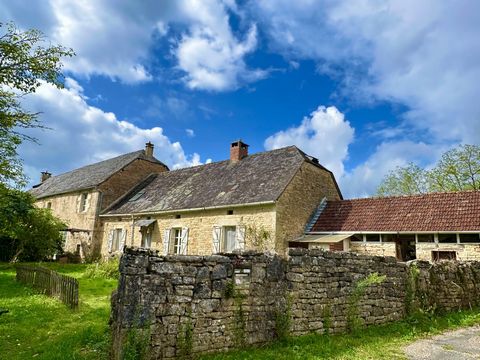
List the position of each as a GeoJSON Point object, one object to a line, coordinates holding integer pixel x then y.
{"type": "Point", "coordinates": [460, 344]}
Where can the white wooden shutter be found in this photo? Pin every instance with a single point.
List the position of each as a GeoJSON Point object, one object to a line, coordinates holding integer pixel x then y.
{"type": "Point", "coordinates": [122, 239]}
{"type": "Point", "coordinates": [166, 241]}
{"type": "Point", "coordinates": [110, 241]}
{"type": "Point", "coordinates": [217, 234]}
{"type": "Point", "coordinates": [79, 200]}
{"type": "Point", "coordinates": [88, 197]}
{"type": "Point", "coordinates": [240, 238]}
{"type": "Point", "coordinates": [184, 241]}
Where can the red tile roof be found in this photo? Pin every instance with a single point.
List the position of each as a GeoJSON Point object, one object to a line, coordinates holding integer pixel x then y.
{"type": "Point", "coordinates": [453, 211]}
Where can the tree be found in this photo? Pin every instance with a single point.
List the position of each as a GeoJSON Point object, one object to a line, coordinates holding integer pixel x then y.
{"type": "Point", "coordinates": [458, 169]}
{"type": "Point", "coordinates": [27, 233]}
{"type": "Point", "coordinates": [26, 61]}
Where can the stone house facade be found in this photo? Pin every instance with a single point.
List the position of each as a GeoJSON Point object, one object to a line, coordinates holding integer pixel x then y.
{"type": "Point", "coordinates": [249, 202]}
{"type": "Point", "coordinates": [79, 196]}
{"type": "Point", "coordinates": [428, 227]}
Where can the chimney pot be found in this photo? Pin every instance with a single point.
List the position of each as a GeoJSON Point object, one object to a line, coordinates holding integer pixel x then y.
{"type": "Point", "coordinates": [44, 176]}
{"type": "Point", "coordinates": [149, 149]}
{"type": "Point", "coordinates": [238, 150]}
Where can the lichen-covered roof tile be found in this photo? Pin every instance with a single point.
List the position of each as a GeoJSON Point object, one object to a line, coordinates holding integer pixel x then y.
{"type": "Point", "coordinates": [259, 177]}
{"type": "Point", "coordinates": [86, 177]}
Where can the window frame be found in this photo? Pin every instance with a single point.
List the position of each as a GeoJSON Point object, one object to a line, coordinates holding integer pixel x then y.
{"type": "Point", "coordinates": [175, 235]}
{"type": "Point", "coordinates": [468, 242]}
{"type": "Point", "coordinates": [83, 202]}
{"type": "Point", "coordinates": [223, 245]}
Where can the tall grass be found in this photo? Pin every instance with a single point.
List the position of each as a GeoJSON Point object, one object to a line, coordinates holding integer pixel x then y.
{"type": "Point", "coordinates": [103, 270]}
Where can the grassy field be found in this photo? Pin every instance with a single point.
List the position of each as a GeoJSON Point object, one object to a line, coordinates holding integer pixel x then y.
{"type": "Point", "coordinates": [376, 342]}
{"type": "Point", "coordinates": [40, 327]}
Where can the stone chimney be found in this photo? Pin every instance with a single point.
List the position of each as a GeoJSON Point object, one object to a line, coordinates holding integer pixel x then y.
{"type": "Point", "coordinates": [149, 149]}
{"type": "Point", "coordinates": [44, 176]}
{"type": "Point", "coordinates": [238, 151]}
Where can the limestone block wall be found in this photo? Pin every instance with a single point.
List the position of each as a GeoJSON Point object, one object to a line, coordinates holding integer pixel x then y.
{"type": "Point", "coordinates": [464, 252]}
{"type": "Point", "coordinates": [446, 285]}
{"type": "Point", "coordinates": [321, 284]}
{"type": "Point", "coordinates": [256, 219]}
{"type": "Point", "coordinates": [373, 248]}
{"type": "Point", "coordinates": [66, 207]}
{"type": "Point", "coordinates": [299, 200]}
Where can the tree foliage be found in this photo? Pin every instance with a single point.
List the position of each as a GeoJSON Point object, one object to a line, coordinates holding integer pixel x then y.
{"type": "Point", "coordinates": [27, 233]}
{"type": "Point", "coordinates": [26, 61]}
{"type": "Point", "coordinates": [458, 169]}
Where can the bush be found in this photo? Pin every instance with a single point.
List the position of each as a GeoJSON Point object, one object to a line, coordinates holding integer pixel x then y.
{"type": "Point", "coordinates": [103, 270]}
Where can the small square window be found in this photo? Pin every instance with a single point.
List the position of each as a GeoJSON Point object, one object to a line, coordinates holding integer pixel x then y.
{"type": "Point", "coordinates": [447, 238]}
{"type": "Point", "coordinates": [178, 216]}
{"type": "Point", "coordinates": [373, 237]}
{"type": "Point", "coordinates": [356, 237]}
{"type": "Point", "coordinates": [425, 238]}
{"type": "Point", "coordinates": [469, 238]}
{"type": "Point", "coordinates": [49, 205]}
{"type": "Point", "coordinates": [230, 212]}
{"type": "Point", "coordinates": [388, 238]}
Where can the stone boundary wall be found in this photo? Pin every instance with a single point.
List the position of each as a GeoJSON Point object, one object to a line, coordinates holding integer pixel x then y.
{"type": "Point", "coordinates": [189, 305]}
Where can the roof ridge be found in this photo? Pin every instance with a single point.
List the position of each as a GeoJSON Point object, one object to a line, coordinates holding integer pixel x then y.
{"type": "Point", "coordinates": [410, 196]}
{"type": "Point", "coordinates": [96, 163]}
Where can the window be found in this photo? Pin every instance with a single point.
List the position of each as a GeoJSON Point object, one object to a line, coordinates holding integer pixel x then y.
{"type": "Point", "coordinates": [178, 216]}
{"type": "Point", "coordinates": [176, 241]}
{"type": "Point", "coordinates": [230, 212]}
{"type": "Point", "coordinates": [146, 238]}
{"type": "Point", "coordinates": [469, 238]}
{"type": "Point", "coordinates": [388, 238]}
{"type": "Point", "coordinates": [356, 237]}
{"type": "Point", "coordinates": [137, 196]}
{"type": "Point", "coordinates": [229, 236]}
{"type": "Point", "coordinates": [447, 238]}
{"type": "Point", "coordinates": [117, 238]}
{"type": "Point", "coordinates": [49, 205]}
{"type": "Point", "coordinates": [373, 237]}
{"type": "Point", "coordinates": [444, 255]}
{"type": "Point", "coordinates": [83, 202]}
{"type": "Point", "coordinates": [425, 238]}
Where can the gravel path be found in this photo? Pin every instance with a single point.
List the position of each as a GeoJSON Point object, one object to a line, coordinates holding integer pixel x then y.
{"type": "Point", "coordinates": [460, 344]}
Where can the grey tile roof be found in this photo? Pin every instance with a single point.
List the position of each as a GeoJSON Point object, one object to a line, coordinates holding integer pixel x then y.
{"type": "Point", "coordinates": [86, 177]}
{"type": "Point", "coordinates": [259, 177]}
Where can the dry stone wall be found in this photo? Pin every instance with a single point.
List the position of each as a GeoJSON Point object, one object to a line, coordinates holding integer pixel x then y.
{"type": "Point", "coordinates": [187, 305]}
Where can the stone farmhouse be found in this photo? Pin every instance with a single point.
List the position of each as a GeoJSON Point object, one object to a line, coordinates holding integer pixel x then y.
{"type": "Point", "coordinates": [79, 196]}
{"type": "Point", "coordinates": [267, 201]}
{"type": "Point", "coordinates": [257, 201]}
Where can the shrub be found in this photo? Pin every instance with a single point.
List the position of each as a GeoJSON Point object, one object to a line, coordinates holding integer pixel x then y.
{"type": "Point", "coordinates": [103, 270]}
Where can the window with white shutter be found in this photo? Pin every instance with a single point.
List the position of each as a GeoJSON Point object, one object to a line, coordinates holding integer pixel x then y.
{"type": "Point", "coordinates": [110, 240]}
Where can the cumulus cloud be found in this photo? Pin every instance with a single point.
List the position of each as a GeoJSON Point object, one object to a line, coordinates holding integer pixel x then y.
{"type": "Point", "coordinates": [363, 180]}
{"type": "Point", "coordinates": [115, 39]}
{"type": "Point", "coordinates": [80, 134]}
{"type": "Point", "coordinates": [325, 134]}
{"type": "Point", "coordinates": [420, 54]}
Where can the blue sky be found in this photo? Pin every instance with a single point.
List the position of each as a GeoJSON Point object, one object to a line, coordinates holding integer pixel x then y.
{"type": "Point", "coordinates": [365, 86]}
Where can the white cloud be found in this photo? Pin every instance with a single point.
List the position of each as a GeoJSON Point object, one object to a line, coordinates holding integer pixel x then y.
{"type": "Point", "coordinates": [190, 132]}
{"type": "Point", "coordinates": [423, 54]}
{"type": "Point", "coordinates": [325, 134]}
{"type": "Point", "coordinates": [80, 134]}
{"type": "Point", "coordinates": [114, 38]}
{"type": "Point", "coordinates": [363, 180]}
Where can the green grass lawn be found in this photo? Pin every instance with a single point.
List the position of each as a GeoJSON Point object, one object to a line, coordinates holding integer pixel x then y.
{"type": "Point", "coordinates": [376, 342]}
{"type": "Point", "coordinates": [40, 327]}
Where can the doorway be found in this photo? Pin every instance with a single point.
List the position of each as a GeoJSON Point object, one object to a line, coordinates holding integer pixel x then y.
{"type": "Point", "coordinates": [406, 247]}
